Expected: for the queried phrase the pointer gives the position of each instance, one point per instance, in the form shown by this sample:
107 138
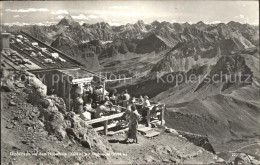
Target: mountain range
140 38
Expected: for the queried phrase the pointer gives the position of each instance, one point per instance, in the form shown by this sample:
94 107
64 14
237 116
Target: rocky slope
36 127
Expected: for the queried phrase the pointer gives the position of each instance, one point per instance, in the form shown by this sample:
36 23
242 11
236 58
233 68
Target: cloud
47 23
103 16
60 17
256 23
114 20
60 12
114 23
215 22
119 7
16 16
27 10
80 16
16 23
93 16
130 14
241 16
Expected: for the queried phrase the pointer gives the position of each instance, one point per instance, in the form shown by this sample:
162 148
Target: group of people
85 97
90 99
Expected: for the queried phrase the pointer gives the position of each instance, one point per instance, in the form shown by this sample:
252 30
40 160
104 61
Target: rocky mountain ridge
141 38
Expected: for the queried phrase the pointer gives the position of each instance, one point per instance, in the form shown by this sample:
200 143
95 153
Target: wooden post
162 114
56 86
104 85
69 95
105 127
63 84
148 117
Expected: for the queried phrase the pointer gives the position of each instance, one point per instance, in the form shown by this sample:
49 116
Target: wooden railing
160 113
105 119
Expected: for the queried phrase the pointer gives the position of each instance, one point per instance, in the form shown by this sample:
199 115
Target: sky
123 12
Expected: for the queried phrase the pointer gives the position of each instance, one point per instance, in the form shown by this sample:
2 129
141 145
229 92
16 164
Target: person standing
89 89
78 105
79 90
146 102
126 96
113 98
139 103
145 107
133 125
120 99
141 100
77 93
101 109
88 108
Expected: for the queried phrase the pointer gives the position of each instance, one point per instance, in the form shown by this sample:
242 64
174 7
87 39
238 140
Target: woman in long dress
133 125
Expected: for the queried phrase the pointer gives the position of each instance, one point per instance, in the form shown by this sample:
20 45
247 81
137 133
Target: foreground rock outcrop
35 123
